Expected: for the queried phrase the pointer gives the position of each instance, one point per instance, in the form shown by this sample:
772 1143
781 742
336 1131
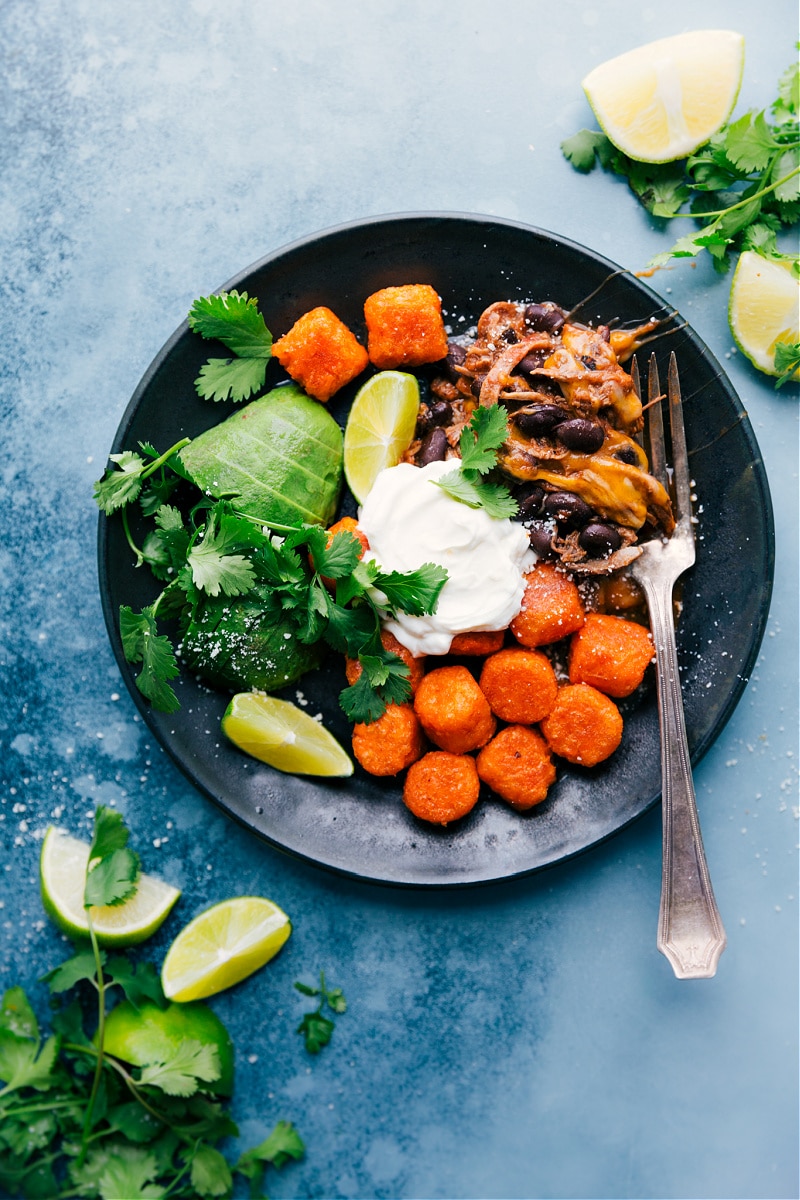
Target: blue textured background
524 1040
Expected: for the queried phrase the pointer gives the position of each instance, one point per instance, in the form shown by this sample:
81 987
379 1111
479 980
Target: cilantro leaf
749 142
283 1144
118 488
361 702
479 493
414 592
581 149
112 880
233 319
110 832
142 643
234 379
191 1064
23 1064
16 1014
81 966
482 438
140 982
317 1031
787 361
210 1173
116 1169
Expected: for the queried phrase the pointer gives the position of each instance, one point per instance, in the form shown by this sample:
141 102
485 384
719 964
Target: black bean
628 455
546 317
532 361
581 435
599 539
540 535
567 508
540 421
456 356
440 413
530 498
477 384
433 448
509 336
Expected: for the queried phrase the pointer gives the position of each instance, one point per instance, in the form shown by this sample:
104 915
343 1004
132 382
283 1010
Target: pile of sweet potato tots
494 711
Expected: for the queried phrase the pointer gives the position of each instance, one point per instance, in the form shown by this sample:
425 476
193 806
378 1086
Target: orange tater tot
442 787
551 607
520 685
349 525
320 353
416 666
477 644
611 654
584 726
453 710
517 766
405 326
390 744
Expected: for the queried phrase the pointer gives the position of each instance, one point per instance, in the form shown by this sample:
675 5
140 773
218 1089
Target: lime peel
222 946
280 734
380 428
661 101
62 872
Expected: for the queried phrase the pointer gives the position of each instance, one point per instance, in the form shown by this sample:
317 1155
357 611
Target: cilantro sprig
742 187
233 319
316 1028
479 442
315 586
76 1121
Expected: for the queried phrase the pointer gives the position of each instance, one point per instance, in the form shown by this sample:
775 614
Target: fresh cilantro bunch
233 319
77 1122
316 589
479 442
316 1028
742 186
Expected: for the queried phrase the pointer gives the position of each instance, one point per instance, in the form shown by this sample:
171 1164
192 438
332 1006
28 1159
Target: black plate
360 826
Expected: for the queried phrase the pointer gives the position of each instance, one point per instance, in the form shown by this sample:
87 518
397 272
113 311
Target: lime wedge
281 734
663 100
62 872
149 1034
224 944
764 309
379 429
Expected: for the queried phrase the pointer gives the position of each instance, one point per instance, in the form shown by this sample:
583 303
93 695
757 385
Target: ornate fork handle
690 931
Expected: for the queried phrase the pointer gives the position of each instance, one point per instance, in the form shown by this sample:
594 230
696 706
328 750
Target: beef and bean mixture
579 473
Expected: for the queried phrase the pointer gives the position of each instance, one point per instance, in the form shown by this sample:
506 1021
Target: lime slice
62 873
150 1035
279 733
764 309
663 100
379 429
224 944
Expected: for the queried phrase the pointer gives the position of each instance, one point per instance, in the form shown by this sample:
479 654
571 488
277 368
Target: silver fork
690 932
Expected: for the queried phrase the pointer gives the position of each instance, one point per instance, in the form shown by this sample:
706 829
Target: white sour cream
409 521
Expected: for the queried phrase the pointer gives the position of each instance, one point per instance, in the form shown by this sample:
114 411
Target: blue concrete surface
524 1040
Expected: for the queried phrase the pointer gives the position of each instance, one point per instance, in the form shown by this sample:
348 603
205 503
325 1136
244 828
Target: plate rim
475 219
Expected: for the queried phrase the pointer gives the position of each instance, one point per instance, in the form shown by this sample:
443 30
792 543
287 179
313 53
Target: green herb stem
101 1029
159 462
722 212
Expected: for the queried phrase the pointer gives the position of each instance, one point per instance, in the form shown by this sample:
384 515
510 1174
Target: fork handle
690 931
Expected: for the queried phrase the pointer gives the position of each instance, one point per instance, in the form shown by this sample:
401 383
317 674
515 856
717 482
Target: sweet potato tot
320 353
551 607
416 666
390 744
517 766
405 326
611 654
477 645
453 710
520 685
584 725
442 787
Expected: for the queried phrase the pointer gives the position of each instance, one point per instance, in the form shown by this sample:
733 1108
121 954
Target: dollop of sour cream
409 521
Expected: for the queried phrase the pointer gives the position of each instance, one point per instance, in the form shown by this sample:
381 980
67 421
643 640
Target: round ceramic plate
360 826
